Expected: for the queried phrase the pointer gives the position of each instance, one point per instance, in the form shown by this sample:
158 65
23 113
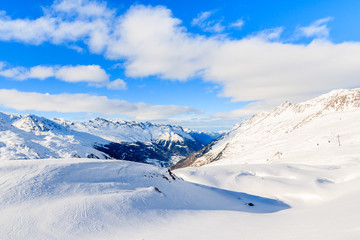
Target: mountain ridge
34 137
319 124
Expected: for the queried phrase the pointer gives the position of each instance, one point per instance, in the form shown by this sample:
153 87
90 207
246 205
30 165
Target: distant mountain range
327 128
34 137
323 130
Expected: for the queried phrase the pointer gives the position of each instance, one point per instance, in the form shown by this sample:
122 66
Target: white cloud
202 21
150 41
245 112
317 29
254 68
238 24
276 72
65 21
63 102
153 43
85 103
79 73
76 48
201 18
270 34
83 8
24 30
117 84
94 75
39 72
154 112
220 120
12 73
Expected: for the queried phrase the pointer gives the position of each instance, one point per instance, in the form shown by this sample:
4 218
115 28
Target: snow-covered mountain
34 137
299 164
323 130
166 138
307 155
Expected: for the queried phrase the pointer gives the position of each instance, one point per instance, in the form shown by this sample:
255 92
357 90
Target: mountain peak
33 123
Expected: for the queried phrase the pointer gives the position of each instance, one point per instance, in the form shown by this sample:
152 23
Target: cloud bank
254 68
85 103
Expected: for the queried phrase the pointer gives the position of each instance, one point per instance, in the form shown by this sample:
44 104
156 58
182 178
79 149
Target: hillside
94 199
323 130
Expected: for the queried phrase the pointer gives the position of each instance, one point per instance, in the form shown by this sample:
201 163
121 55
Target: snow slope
306 155
324 130
324 201
96 199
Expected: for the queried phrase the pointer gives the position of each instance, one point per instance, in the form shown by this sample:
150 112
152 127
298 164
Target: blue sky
202 64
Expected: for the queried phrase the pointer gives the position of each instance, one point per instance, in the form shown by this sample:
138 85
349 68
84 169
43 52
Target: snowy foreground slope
324 200
106 199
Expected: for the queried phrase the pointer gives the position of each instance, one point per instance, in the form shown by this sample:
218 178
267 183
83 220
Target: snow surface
324 130
306 155
324 200
287 163
105 199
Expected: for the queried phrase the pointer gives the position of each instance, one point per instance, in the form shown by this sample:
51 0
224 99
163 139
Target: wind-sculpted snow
82 198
